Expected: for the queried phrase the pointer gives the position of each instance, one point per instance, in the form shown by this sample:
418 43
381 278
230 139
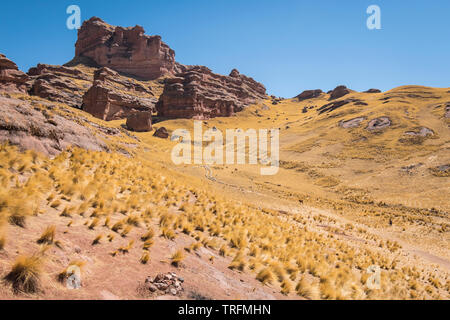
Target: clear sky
288 45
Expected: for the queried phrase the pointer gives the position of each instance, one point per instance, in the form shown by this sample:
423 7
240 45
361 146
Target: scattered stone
162 284
379 123
161 133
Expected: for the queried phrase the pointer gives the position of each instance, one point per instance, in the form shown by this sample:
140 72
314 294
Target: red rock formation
127 50
140 121
114 97
60 84
201 94
11 78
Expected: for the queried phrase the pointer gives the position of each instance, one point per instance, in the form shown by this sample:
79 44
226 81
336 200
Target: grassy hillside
345 199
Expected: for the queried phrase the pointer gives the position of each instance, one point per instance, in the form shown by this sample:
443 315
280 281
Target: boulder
161 133
140 122
309 94
114 97
11 78
201 94
127 50
339 92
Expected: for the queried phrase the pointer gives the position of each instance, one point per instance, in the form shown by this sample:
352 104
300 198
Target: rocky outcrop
379 124
33 128
127 50
60 84
339 92
201 94
11 78
352 123
114 97
140 122
309 94
373 91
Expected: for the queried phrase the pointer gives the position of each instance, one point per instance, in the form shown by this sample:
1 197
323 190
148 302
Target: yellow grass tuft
48 236
25 274
177 258
145 258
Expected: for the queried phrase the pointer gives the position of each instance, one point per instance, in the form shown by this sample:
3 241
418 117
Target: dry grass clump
265 276
26 273
279 248
48 236
97 239
145 258
177 258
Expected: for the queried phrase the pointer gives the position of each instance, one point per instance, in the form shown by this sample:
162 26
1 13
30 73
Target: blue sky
288 45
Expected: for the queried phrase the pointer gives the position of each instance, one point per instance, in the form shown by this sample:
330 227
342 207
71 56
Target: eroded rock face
201 94
309 94
127 50
114 97
140 122
11 78
60 84
32 128
339 92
